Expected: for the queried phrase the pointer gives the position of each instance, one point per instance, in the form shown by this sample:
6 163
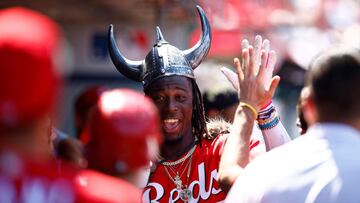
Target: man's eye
158 98
181 98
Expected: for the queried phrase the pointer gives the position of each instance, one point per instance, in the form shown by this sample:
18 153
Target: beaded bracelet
267 117
267 109
270 124
264 122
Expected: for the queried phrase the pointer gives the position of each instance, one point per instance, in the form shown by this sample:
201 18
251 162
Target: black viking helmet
163 59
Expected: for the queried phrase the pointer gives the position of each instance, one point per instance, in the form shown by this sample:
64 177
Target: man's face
173 97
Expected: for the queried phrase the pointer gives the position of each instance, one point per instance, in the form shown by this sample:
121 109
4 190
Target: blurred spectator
124 132
300 121
292 80
219 97
29 86
351 34
341 14
220 104
300 35
85 101
322 165
68 149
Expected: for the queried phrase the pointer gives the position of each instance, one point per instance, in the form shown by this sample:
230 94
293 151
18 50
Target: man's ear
309 109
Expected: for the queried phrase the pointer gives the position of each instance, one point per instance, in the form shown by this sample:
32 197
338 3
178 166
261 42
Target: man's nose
172 105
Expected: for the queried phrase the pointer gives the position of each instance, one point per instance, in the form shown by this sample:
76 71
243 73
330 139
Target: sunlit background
298 30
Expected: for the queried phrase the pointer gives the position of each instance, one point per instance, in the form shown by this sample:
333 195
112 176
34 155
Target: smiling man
174 97
187 165
187 168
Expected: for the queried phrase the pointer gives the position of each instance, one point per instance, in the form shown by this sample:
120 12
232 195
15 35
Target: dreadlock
198 120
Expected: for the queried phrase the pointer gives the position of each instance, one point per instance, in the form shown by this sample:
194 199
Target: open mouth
171 125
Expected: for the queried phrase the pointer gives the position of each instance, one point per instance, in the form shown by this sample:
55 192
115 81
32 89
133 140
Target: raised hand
254 80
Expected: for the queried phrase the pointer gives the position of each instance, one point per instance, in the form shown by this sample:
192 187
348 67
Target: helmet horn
129 68
160 37
199 51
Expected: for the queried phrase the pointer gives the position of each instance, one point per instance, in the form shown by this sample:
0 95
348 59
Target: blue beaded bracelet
270 124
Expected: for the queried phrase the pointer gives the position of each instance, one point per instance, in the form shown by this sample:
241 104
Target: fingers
251 69
266 48
244 44
257 48
258 57
256 69
266 68
262 64
231 76
269 70
245 60
238 67
266 45
271 61
248 67
274 83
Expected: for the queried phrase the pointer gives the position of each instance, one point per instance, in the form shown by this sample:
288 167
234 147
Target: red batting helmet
124 132
28 82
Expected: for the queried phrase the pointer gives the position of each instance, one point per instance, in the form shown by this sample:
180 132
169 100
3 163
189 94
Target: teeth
171 120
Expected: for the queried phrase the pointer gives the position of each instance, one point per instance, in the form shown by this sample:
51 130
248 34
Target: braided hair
198 120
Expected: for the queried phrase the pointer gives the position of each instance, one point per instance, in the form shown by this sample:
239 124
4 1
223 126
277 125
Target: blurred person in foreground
321 166
124 136
301 123
84 103
29 84
187 167
67 149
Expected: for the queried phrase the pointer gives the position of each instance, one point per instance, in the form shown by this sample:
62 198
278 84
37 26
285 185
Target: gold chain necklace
177 176
168 163
185 193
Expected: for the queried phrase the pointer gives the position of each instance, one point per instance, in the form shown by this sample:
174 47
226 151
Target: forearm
236 150
240 137
271 127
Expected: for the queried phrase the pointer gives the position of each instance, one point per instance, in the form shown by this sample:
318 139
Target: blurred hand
254 81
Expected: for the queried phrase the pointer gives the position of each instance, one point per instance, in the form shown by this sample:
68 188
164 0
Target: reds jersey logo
202 188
